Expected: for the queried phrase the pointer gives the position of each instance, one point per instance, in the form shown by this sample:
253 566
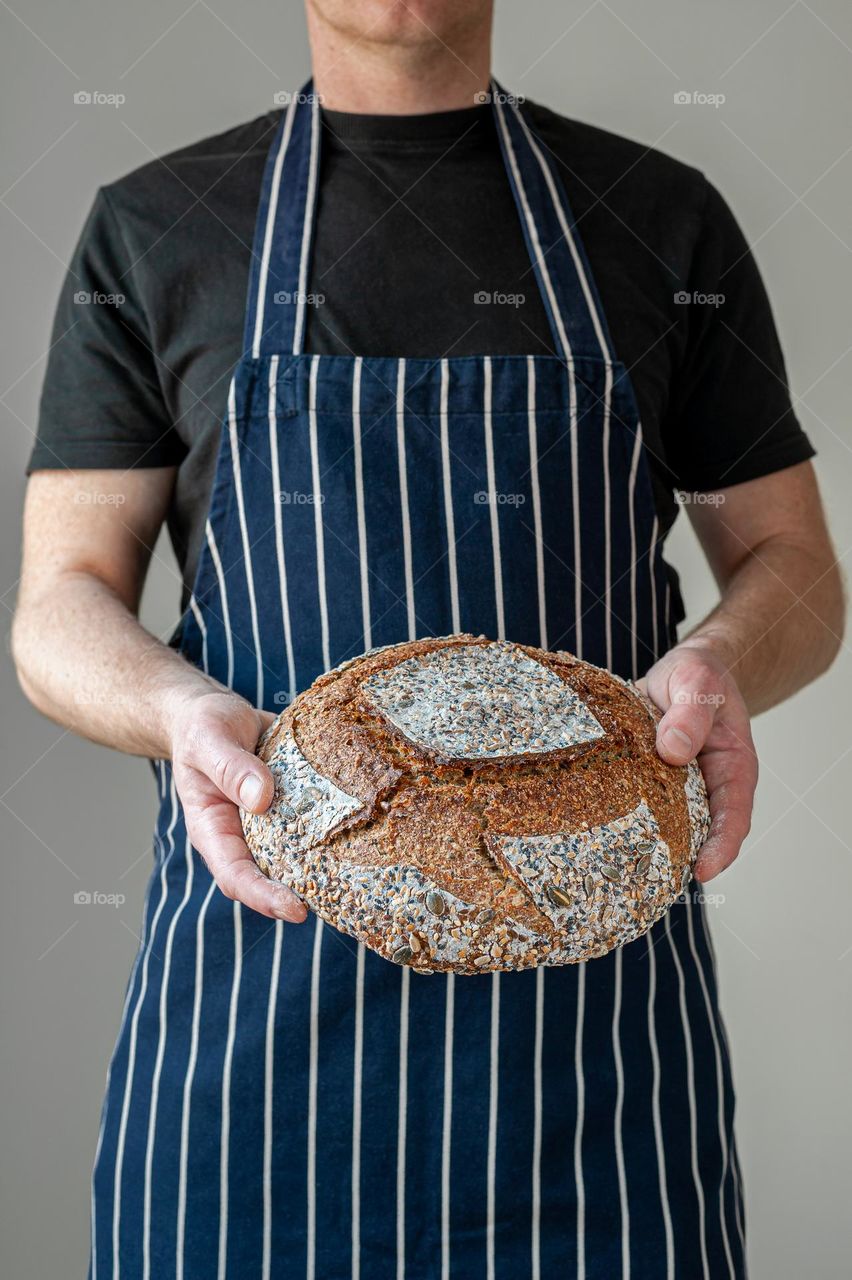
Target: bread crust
473 863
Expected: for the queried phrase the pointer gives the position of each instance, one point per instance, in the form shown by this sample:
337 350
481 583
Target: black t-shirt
415 221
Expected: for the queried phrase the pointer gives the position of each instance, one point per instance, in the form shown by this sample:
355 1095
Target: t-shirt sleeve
730 417
102 403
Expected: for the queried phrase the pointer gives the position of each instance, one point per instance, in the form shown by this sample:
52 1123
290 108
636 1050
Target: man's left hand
705 716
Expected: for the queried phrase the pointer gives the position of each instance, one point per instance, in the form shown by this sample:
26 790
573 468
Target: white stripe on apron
279 533
134 1026
225 1140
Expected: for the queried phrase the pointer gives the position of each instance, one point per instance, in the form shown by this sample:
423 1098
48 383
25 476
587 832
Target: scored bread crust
456 864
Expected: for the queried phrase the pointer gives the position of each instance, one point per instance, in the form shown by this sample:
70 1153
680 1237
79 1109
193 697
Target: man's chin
411 23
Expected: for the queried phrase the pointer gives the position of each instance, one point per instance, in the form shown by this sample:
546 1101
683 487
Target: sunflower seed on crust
558 896
436 903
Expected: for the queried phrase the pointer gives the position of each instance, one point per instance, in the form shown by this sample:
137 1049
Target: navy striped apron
281 1102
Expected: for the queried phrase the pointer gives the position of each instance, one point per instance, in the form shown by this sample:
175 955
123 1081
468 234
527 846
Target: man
459 309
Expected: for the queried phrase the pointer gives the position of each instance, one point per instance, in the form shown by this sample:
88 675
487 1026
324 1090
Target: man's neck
381 78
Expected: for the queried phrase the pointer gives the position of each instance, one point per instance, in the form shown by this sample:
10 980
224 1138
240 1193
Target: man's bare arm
84 660
778 625
780 622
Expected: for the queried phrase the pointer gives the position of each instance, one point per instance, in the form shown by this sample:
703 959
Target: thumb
692 705
216 749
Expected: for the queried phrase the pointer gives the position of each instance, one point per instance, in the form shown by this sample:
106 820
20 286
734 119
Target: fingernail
286 906
678 741
250 791
295 913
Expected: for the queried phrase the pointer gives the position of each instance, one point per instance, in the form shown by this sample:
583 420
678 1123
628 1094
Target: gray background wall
74 817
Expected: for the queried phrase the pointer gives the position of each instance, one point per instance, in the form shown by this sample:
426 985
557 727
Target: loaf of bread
461 804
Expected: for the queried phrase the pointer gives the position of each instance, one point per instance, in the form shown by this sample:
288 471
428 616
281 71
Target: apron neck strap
564 277
278 280
280 265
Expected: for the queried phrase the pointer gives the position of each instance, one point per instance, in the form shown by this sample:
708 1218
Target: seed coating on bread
476 701
468 805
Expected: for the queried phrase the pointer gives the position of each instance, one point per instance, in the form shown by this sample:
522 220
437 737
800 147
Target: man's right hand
215 771
84 660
